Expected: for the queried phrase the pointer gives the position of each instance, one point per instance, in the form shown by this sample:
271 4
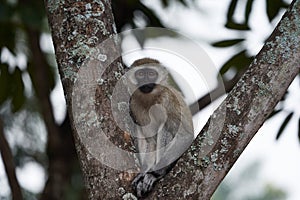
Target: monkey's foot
143 184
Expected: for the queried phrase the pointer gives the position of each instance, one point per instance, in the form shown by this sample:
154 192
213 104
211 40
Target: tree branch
234 123
78 27
9 165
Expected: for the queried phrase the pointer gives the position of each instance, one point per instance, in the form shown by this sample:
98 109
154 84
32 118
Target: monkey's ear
144 61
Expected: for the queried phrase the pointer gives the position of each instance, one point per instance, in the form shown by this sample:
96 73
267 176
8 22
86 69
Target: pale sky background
280 160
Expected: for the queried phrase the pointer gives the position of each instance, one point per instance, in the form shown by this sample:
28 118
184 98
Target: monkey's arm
176 136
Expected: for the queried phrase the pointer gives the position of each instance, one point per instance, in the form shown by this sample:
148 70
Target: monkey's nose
147 88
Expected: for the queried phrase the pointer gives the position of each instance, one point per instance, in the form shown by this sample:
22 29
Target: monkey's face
146 78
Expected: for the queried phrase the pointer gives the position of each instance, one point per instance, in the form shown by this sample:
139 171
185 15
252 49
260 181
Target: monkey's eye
152 74
140 74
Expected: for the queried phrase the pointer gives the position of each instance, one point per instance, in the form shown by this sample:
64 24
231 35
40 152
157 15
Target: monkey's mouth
147 88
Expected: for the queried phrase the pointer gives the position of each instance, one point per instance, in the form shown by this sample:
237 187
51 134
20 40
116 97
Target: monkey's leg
144 182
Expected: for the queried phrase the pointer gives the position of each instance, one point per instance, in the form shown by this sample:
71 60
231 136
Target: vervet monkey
163 122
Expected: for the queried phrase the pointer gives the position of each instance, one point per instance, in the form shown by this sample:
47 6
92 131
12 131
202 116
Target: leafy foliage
228 43
284 124
231 23
166 3
239 61
299 129
127 11
273 7
12 87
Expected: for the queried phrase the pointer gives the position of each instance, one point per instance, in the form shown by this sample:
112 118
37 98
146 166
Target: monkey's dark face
146 78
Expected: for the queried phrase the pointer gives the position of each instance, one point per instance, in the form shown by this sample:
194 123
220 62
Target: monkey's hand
143 183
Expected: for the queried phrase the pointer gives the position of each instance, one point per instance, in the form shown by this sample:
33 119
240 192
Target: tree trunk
81 27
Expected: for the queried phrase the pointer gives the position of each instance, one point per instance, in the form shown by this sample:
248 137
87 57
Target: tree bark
78 27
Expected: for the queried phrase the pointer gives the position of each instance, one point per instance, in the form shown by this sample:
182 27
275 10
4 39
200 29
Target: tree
238 118
24 110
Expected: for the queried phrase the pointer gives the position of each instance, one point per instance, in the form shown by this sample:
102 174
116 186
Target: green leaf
238 61
248 10
274 113
231 9
227 43
33 14
231 24
284 124
153 19
6 12
4 83
235 26
284 97
299 129
9 33
165 3
273 8
18 97
183 2
142 35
